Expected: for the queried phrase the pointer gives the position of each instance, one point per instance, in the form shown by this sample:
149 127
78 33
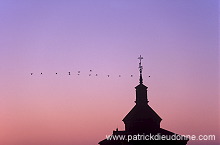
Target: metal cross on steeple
140 69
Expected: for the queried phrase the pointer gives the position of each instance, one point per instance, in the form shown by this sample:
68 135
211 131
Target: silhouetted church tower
141 123
142 117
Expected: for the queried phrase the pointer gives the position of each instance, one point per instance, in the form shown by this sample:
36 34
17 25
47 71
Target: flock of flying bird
90 74
78 73
90 71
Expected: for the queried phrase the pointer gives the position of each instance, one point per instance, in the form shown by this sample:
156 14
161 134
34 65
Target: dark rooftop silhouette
143 120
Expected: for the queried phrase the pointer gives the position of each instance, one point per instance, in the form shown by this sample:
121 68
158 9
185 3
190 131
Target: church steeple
142 117
141 89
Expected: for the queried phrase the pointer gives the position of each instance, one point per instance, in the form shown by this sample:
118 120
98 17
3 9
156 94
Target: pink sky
179 43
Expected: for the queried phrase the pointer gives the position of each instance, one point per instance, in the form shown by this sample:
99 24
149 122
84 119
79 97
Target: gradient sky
178 39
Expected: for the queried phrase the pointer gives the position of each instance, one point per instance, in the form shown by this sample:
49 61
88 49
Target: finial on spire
140 69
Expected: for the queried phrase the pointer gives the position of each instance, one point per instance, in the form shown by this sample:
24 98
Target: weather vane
140 66
140 69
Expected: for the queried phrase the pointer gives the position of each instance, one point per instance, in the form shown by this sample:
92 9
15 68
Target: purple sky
178 39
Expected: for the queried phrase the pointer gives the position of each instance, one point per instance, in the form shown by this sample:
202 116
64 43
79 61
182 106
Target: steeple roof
142 112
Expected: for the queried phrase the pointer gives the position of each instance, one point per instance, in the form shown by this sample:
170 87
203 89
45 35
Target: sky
178 39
